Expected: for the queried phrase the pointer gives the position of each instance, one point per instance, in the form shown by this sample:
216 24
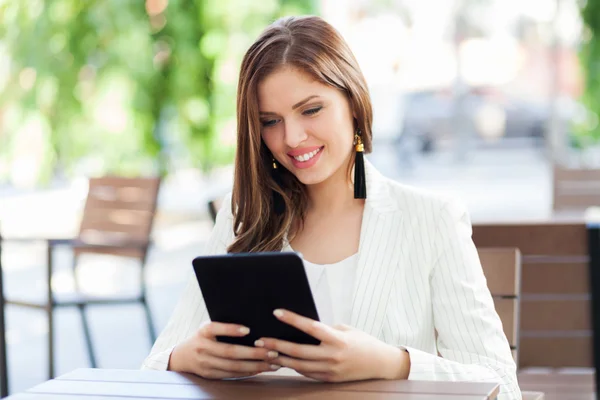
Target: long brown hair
314 47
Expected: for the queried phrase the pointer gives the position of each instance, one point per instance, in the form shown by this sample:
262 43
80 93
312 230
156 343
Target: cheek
338 134
338 128
270 139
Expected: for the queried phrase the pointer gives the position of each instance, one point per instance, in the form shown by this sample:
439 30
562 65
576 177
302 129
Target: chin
310 182
312 177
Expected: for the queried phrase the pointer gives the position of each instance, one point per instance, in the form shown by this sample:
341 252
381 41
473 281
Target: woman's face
306 125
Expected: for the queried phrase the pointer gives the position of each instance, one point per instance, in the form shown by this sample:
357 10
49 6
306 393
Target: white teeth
307 156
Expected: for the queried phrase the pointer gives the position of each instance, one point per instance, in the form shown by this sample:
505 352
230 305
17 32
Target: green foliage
127 86
589 56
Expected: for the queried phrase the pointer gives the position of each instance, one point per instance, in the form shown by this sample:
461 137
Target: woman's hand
202 355
345 354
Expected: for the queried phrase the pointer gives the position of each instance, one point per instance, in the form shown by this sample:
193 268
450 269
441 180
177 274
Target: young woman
394 271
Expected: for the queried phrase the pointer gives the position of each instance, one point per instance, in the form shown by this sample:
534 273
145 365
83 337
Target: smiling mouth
307 156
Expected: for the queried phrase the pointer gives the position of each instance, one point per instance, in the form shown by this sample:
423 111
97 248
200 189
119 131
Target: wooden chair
117 220
502 269
214 206
555 300
575 189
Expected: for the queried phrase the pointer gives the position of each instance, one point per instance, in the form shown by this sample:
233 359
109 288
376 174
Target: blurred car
430 116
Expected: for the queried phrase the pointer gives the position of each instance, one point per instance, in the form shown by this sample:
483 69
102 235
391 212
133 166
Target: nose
294 134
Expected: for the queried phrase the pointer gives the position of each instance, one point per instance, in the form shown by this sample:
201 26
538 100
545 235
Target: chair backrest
502 269
119 209
575 189
555 302
214 206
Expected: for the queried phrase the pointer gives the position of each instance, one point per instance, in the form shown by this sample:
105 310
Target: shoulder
222 206
416 201
223 225
421 210
222 232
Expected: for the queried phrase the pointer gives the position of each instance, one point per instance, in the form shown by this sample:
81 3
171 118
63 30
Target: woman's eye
312 111
269 122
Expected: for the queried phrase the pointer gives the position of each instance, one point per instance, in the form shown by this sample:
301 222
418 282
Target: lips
305 157
303 150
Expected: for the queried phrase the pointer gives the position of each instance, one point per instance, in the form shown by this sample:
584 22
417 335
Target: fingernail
273 354
278 313
244 330
275 367
259 343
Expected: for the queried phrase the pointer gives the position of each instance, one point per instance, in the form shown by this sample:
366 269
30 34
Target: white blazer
418 273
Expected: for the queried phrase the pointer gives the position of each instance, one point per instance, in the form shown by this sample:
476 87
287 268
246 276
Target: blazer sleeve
471 341
190 311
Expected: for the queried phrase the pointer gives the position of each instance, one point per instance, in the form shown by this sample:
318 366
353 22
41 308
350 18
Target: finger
314 328
237 352
343 327
221 329
303 366
303 351
239 366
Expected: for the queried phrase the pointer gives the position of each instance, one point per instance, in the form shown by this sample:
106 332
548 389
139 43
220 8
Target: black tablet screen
246 288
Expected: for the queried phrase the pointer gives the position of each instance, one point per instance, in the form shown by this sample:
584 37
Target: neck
336 194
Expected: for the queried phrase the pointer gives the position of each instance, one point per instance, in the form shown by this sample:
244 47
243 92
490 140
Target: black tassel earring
360 186
278 203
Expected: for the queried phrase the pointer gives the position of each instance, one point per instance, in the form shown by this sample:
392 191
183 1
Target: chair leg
151 330
49 314
50 310
88 336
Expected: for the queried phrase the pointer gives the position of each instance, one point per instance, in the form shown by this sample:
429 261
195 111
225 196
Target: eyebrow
298 104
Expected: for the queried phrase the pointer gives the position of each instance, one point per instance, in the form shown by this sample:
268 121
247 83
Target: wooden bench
575 189
555 326
558 386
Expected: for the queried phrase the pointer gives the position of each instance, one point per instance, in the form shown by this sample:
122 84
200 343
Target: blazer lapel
378 250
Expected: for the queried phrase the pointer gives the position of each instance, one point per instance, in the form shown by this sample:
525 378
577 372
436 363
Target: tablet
245 289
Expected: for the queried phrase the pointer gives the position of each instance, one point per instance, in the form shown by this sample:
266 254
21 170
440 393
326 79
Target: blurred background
482 99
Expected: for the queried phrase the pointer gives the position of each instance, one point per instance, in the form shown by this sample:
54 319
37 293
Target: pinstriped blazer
419 286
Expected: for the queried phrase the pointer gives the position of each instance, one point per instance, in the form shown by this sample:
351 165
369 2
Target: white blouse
331 286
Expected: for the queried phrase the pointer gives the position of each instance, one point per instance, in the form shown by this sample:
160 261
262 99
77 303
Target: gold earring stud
358 143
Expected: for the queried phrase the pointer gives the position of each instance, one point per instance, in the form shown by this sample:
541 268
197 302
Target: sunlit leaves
126 86
589 55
